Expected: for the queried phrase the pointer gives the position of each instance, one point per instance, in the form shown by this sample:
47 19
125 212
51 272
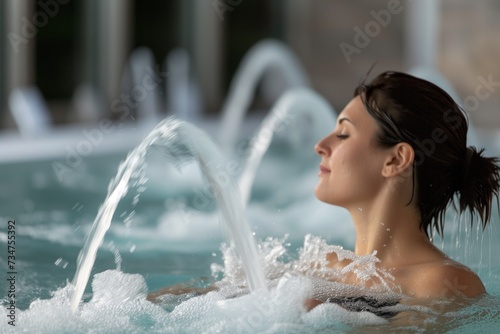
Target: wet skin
374 184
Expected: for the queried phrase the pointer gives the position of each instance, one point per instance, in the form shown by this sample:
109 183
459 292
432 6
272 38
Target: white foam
119 306
118 303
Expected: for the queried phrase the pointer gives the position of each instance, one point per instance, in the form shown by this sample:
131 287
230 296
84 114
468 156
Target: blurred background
83 81
76 51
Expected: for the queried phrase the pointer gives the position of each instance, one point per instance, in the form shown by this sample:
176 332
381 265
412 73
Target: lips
323 170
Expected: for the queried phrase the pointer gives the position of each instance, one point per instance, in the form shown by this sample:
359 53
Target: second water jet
180 142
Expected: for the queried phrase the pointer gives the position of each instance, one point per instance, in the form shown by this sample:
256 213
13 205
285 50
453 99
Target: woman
395 161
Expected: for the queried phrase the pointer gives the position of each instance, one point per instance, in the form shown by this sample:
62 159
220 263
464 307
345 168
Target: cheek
355 166
343 166
347 160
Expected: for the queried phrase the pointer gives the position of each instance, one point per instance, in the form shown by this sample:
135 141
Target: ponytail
480 182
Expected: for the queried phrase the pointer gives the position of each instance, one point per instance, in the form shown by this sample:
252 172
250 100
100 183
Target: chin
317 192
322 196
328 198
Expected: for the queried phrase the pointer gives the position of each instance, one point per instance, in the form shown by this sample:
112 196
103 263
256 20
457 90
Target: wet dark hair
415 111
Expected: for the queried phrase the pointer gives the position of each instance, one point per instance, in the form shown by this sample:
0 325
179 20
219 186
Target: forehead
354 110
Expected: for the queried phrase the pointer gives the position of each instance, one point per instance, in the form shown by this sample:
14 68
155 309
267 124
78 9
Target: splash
180 142
312 262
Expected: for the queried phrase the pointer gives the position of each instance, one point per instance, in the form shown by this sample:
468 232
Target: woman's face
351 160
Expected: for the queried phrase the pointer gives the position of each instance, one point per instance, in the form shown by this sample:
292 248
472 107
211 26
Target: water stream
180 142
263 56
291 105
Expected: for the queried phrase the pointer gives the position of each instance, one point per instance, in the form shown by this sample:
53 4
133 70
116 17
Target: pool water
164 239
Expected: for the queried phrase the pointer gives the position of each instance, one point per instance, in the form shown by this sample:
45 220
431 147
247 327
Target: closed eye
342 137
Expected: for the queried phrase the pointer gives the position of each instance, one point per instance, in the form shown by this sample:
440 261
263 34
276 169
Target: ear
399 160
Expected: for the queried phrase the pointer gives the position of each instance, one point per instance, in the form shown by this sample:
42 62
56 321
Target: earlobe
399 161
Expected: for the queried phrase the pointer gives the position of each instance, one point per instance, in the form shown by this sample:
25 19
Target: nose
322 148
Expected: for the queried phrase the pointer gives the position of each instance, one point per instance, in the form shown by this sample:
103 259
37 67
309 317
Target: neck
389 227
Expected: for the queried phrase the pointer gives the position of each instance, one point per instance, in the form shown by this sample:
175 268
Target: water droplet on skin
382 224
360 209
388 229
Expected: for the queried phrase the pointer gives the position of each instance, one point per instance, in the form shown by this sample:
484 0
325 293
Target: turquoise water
167 240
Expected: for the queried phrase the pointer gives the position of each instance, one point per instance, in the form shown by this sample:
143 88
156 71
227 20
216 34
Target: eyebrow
345 119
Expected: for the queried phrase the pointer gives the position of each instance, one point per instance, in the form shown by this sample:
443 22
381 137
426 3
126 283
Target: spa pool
161 238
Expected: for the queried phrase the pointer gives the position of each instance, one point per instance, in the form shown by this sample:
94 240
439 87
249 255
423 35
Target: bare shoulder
445 279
